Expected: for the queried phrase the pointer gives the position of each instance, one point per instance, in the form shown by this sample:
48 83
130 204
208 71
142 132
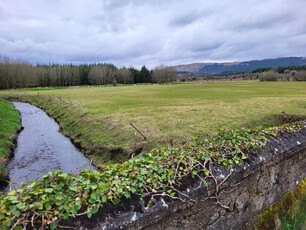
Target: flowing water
42 149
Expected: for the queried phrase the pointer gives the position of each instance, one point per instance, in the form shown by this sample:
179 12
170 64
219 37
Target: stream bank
9 128
42 149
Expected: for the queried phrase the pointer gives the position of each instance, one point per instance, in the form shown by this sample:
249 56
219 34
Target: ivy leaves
63 195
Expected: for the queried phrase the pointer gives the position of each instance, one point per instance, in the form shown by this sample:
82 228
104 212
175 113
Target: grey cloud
136 32
185 19
206 47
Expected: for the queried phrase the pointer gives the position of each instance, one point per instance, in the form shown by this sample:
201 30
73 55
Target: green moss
9 125
290 211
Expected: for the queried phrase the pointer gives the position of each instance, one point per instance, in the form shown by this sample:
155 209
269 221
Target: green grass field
98 119
101 116
9 124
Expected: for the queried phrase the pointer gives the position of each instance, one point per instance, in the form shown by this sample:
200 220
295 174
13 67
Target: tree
124 76
163 74
84 72
135 74
300 76
102 74
145 75
268 76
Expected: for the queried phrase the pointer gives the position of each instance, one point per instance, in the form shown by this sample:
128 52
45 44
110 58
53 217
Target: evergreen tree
145 75
135 75
84 71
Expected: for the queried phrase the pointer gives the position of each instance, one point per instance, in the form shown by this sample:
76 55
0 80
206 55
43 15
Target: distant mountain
227 67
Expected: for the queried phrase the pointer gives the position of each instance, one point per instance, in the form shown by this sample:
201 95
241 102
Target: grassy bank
9 125
98 118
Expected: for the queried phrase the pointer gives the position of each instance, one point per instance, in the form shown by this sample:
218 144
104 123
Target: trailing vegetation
289 213
9 125
160 172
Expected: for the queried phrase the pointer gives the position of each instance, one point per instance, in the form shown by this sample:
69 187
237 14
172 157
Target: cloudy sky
151 32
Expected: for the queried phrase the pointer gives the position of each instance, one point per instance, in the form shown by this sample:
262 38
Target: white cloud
135 32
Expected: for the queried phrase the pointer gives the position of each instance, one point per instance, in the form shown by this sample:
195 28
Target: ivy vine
59 196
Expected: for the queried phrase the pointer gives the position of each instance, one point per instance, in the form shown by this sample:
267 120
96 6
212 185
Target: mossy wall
264 179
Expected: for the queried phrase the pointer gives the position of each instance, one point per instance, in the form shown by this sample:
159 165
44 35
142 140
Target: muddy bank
42 149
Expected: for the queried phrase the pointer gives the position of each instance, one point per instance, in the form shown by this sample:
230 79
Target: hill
226 67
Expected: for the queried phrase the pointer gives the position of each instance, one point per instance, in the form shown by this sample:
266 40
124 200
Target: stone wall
266 176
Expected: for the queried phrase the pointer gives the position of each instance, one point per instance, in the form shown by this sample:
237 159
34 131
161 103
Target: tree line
25 75
280 69
287 75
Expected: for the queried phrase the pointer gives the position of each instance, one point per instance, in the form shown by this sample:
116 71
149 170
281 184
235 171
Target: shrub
268 76
300 76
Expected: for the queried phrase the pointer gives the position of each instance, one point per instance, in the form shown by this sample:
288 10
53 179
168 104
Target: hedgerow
59 196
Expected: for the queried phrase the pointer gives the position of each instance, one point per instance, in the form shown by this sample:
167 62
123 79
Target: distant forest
24 75
281 69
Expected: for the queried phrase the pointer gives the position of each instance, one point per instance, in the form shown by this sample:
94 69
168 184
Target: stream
42 149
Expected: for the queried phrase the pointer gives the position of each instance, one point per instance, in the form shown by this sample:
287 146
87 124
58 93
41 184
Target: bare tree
163 74
124 76
17 75
102 74
300 76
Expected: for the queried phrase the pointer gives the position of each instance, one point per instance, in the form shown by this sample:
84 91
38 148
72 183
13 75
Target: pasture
99 119
101 116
